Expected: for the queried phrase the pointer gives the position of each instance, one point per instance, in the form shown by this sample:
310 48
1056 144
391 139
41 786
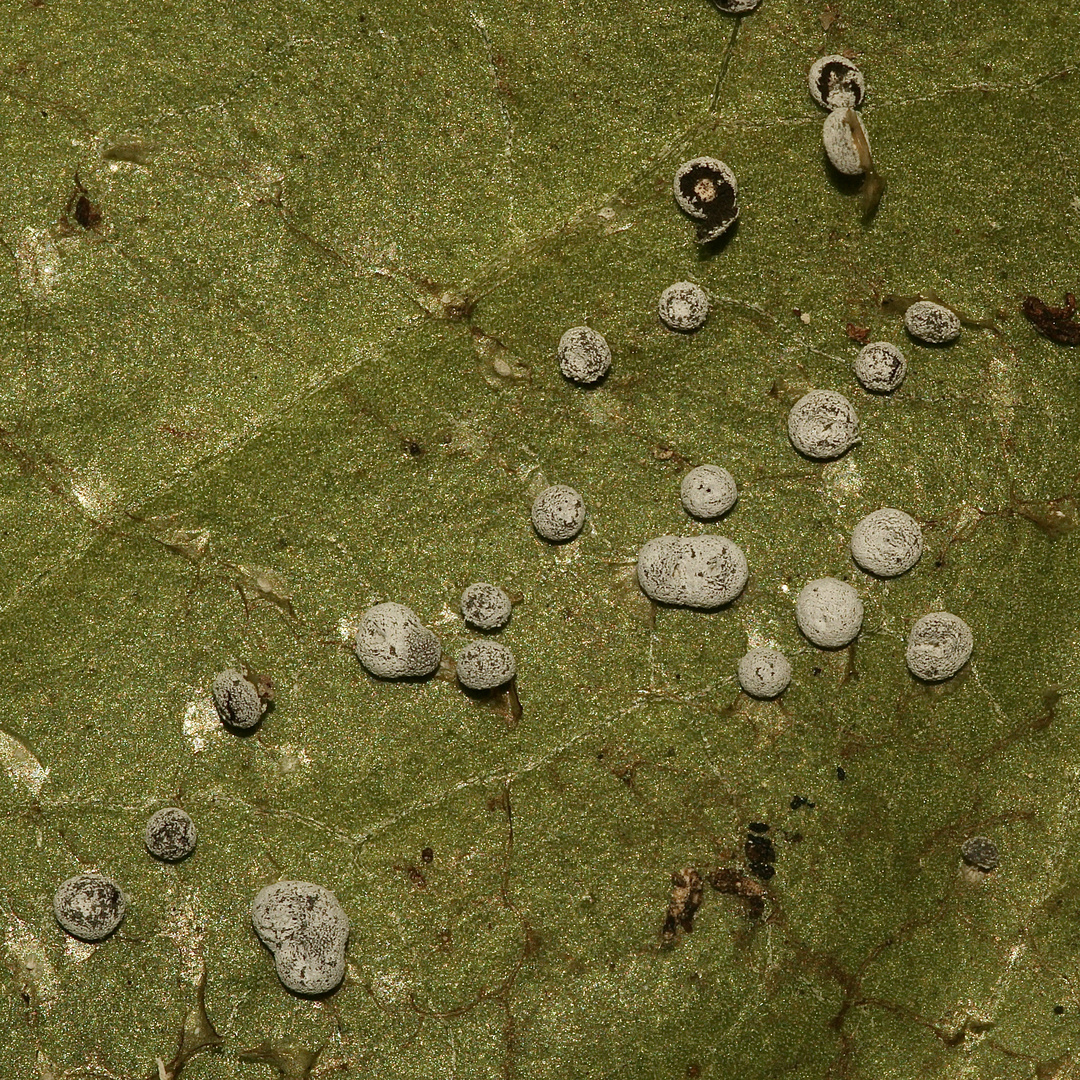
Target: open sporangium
705 190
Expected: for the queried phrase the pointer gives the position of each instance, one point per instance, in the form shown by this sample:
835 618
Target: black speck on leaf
87 214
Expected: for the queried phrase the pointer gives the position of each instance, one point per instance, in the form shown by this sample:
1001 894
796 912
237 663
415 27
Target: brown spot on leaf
1058 324
686 893
735 883
86 213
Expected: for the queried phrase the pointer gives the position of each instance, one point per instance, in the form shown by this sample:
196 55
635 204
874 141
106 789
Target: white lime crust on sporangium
938 646
170 834
692 571
931 323
880 367
764 672
846 142
307 930
705 190
836 83
483 665
887 542
89 906
829 612
485 606
584 355
558 513
823 425
683 306
708 492
237 699
392 643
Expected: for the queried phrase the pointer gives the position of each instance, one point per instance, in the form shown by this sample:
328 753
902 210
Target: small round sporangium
764 673
938 646
237 699
708 492
483 665
485 606
931 323
823 425
170 834
584 355
89 906
684 306
880 367
829 612
558 513
887 542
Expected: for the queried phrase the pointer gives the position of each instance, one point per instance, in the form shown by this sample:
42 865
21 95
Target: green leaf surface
277 332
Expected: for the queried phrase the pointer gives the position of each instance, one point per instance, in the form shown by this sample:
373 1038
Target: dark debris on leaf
735 883
686 893
1057 324
760 855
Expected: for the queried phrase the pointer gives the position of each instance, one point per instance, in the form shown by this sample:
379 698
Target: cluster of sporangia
709 571
302 924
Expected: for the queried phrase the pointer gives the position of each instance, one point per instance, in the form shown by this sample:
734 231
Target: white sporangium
484 665
829 613
485 606
880 367
887 542
392 643
683 306
170 834
708 492
764 672
241 697
692 571
584 355
305 928
938 646
932 324
823 425
89 906
558 513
